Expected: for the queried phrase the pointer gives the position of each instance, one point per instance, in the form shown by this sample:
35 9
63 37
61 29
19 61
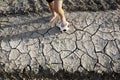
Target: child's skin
56 8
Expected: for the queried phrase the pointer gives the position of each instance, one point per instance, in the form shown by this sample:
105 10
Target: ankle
64 20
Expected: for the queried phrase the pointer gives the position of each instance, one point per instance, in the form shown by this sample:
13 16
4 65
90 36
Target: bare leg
59 10
54 14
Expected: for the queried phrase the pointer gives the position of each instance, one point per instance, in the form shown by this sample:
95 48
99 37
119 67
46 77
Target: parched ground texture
91 44
31 45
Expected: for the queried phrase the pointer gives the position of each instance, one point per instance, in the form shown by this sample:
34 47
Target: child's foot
52 18
64 27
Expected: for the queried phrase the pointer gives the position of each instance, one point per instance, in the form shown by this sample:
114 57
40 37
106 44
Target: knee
57 9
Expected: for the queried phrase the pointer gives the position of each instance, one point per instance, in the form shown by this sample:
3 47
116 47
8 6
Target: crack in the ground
83 32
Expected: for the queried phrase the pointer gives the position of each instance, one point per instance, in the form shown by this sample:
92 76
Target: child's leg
54 14
59 10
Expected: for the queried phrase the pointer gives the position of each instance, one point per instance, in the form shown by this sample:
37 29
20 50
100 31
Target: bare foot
52 18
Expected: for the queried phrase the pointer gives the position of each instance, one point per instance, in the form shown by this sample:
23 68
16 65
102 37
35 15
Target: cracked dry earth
91 44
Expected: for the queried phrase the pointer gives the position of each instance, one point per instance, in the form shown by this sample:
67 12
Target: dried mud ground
49 74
